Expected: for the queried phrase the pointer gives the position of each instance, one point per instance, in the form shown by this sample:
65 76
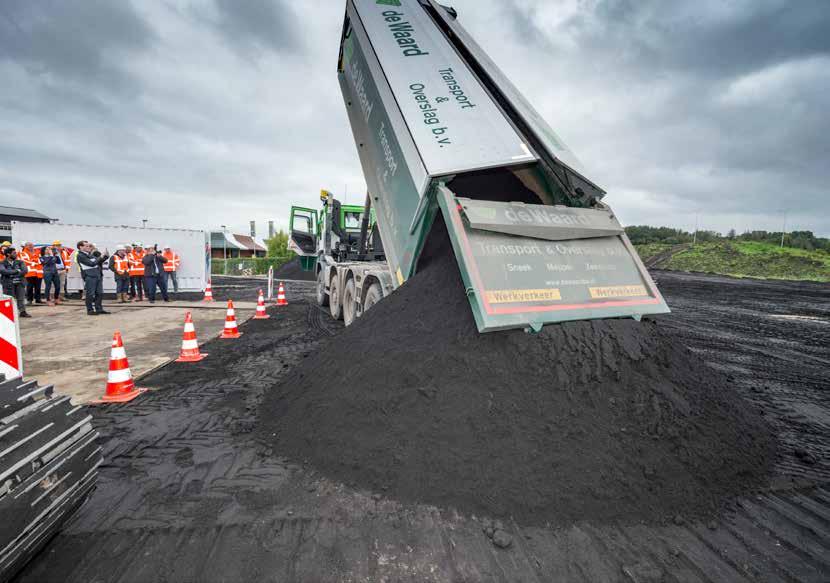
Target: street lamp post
224 251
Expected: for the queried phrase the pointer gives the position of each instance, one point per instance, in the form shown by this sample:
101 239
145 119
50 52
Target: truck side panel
456 125
394 173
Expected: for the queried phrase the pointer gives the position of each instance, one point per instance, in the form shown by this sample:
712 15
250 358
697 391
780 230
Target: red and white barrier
11 351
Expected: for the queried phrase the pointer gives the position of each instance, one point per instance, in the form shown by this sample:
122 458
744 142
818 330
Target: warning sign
511 296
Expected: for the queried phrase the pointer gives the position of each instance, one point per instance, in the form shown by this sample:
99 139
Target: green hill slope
744 259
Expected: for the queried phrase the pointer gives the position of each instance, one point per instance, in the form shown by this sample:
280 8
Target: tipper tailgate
529 265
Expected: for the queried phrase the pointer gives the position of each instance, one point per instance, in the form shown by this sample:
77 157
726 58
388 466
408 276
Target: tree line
643 234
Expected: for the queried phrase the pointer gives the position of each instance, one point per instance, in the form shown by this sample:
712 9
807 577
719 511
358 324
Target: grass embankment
746 259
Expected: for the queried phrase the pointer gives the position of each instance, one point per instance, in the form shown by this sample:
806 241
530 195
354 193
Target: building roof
249 243
234 241
22 213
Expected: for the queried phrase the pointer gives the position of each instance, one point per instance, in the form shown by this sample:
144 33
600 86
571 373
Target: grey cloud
709 38
198 113
706 105
80 41
253 26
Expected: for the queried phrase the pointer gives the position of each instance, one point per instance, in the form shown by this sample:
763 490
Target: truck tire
322 296
48 467
349 302
373 295
335 305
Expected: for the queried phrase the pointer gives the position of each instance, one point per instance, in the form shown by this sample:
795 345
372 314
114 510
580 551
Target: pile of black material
293 270
48 467
604 419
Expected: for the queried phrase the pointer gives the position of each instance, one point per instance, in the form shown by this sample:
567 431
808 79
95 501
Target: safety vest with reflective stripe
32 261
122 264
173 261
66 255
136 266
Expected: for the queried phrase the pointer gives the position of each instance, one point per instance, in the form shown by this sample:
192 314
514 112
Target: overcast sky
206 112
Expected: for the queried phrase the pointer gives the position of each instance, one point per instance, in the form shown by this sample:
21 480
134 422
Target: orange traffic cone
260 308
231 330
120 385
208 293
281 301
190 346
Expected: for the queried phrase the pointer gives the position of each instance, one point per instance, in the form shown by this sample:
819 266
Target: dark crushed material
611 419
293 270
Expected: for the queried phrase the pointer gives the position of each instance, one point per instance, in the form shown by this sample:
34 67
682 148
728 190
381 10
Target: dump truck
343 245
441 132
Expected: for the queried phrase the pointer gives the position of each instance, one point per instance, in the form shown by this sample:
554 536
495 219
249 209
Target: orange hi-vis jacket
32 261
173 261
66 255
122 264
136 266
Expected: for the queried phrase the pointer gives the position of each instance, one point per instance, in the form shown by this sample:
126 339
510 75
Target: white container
191 245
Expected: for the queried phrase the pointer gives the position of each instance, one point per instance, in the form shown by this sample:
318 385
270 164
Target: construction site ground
186 493
64 346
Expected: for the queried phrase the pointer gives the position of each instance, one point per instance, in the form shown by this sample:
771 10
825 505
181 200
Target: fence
247 266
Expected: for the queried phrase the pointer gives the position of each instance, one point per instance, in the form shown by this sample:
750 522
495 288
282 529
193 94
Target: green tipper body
428 110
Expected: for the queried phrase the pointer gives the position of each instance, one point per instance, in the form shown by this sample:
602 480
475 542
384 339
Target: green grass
648 250
753 259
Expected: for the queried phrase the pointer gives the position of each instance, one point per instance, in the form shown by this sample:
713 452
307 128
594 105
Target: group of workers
138 270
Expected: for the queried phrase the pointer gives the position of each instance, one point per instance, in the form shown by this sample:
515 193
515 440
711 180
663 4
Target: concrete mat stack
49 462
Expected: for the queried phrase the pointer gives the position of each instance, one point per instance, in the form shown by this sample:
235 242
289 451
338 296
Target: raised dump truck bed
439 129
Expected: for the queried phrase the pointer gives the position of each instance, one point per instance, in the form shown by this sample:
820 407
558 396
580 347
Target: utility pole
694 237
224 251
783 229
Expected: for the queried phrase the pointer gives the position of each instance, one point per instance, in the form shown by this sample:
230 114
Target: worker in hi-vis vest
171 268
34 276
120 267
136 273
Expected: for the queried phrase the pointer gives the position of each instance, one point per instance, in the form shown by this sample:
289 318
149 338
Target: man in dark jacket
12 273
154 273
91 262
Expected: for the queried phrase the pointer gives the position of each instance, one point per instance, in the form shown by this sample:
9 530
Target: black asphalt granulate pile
595 420
293 270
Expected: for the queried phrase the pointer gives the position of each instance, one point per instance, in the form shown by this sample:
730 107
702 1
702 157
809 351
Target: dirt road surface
65 347
187 494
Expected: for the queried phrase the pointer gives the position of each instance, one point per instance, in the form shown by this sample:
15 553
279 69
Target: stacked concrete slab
48 466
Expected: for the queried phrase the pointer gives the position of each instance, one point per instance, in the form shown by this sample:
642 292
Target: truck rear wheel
373 296
349 304
335 306
322 296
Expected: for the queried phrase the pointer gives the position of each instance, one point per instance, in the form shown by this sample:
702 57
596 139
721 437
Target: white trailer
191 245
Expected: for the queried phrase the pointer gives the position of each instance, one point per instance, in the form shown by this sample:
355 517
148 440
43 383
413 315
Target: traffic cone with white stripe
120 385
231 329
208 293
281 301
190 346
260 308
